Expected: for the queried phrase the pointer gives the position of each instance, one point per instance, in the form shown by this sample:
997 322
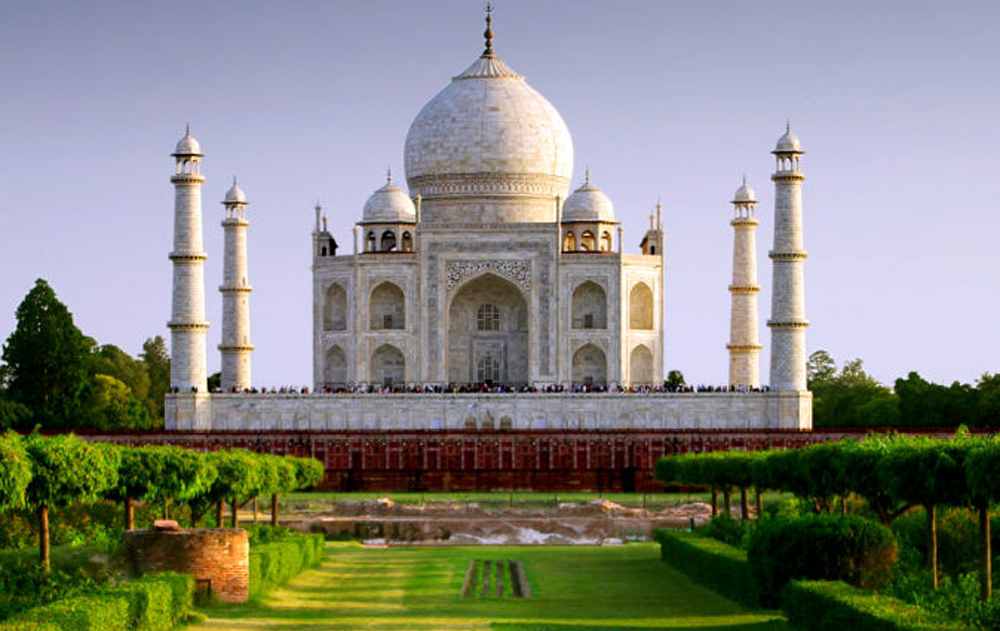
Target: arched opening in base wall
590 366
335 367
488 333
641 366
388 366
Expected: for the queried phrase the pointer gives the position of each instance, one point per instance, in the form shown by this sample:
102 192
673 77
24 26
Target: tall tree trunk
218 515
274 509
234 508
985 560
715 501
744 504
932 552
129 513
727 501
759 503
43 537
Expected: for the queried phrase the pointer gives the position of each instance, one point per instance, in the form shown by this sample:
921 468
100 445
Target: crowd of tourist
488 388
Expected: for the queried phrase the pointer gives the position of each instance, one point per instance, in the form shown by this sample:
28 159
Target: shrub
272 564
98 612
158 602
715 565
834 606
853 549
958 538
727 530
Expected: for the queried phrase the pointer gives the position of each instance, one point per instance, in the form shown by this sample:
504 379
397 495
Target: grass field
595 588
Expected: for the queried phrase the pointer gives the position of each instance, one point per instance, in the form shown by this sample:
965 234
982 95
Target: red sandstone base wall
220 557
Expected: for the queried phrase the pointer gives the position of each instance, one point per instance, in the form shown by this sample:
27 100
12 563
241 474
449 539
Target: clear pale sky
897 105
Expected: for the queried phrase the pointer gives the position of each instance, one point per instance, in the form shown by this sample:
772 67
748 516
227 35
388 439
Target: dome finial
586 177
187 129
488 33
388 175
788 126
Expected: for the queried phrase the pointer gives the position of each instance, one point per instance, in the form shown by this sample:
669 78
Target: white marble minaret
744 343
788 297
235 346
188 326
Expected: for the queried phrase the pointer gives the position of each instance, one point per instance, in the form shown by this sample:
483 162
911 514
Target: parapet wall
220 557
515 411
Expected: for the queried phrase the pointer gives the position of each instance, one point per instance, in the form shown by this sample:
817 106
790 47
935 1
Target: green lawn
604 588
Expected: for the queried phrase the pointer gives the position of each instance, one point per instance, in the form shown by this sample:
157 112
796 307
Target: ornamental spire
488 33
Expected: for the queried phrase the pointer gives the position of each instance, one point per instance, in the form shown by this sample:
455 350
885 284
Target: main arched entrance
488 333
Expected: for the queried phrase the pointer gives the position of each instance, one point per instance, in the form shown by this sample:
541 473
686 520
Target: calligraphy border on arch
518 272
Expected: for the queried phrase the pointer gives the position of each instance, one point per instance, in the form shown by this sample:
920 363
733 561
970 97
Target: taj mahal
484 290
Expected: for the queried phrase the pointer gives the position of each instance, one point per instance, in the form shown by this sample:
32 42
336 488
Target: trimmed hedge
825 547
274 563
158 602
715 565
835 606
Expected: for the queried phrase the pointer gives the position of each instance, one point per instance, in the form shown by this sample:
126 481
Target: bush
97 612
958 539
272 564
853 549
727 530
834 606
715 565
158 602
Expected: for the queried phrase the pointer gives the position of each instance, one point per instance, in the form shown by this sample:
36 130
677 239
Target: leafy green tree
114 362
109 404
820 367
926 404
989 399
45 357
67 470
930 473
15 471
850 398
13 415
238 478
858 463
982 471
156 361
675 379
214 382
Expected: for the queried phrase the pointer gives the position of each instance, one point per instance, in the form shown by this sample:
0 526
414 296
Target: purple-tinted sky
896 103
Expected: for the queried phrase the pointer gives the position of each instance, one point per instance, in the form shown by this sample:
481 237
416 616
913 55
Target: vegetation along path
597 588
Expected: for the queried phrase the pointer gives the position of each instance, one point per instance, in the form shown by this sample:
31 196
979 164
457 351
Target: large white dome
489 135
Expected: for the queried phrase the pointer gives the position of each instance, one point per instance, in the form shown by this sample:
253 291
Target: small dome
235 194
788 143
187 146
588 203
744 194
389 204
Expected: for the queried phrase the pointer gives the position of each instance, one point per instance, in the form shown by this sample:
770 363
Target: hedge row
835 606
274 563
720 567
158 602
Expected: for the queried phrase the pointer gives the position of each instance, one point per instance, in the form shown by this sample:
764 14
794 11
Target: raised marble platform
528 411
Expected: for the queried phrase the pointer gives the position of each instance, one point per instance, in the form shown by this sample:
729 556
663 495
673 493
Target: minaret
744 344
235 346
788 300
187 324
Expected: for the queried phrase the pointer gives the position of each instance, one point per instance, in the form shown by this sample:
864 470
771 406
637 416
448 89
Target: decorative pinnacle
788 126
388 175
488 33
586 177
187 129
744 179
234 180
318 207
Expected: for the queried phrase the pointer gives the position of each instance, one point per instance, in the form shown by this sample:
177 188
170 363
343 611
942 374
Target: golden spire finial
488 33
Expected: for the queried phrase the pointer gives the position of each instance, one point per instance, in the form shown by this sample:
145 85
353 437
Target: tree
850 398
67 470
982 471
237 478
13 415
930 473
820 367
15 471
989 399
675 379
926 404
109 404
45 357
156 361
